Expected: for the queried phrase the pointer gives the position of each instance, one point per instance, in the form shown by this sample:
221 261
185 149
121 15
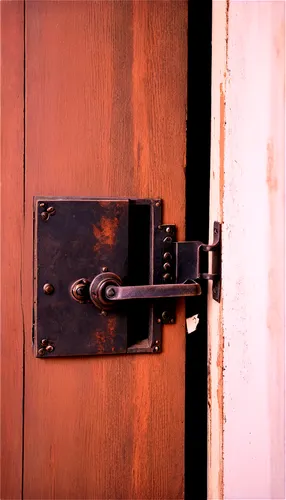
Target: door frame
246 421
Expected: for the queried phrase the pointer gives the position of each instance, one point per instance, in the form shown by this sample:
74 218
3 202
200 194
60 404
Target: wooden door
103 87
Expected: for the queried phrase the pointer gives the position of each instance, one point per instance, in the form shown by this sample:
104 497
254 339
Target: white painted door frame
247 330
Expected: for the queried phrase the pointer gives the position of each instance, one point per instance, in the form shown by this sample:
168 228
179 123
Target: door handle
106 291
118 293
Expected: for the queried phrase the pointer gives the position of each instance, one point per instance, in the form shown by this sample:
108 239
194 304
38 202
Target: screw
165 316
172 320
166 277
41 351
44 342
168 229
41 204
80 290
158 203
104 269
44 215
159 320
167 266
110 292
168 239
157 342
49 348
103 313
159 227
167 256
51 210
156 349
48 289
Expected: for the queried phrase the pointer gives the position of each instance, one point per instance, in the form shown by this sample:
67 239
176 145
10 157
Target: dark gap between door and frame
197 228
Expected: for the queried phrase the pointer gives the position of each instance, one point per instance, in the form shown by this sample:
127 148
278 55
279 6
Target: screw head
156 348
44 215
168 239
167 256
172 320
159 320
51 210
166 277
167 266
41 351
44 342
103 313
41 204
110 292
159 227
168 229
49 348
158 203
104 269
80 290
48 289
165 316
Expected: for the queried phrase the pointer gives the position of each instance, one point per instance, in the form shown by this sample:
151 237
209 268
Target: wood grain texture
106 103
12 148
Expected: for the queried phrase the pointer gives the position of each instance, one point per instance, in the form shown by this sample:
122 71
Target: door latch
107 273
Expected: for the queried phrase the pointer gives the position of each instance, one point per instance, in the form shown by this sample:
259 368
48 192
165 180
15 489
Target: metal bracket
189 257
107 273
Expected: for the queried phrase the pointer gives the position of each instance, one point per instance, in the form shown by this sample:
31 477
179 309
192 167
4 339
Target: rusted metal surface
82 237
86 238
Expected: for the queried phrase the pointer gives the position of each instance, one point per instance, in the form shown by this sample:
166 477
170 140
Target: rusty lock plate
75 240
106 274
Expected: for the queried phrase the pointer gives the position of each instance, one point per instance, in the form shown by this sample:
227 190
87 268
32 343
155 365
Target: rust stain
98 341
106 232
271 178
210 400
104 341
221 339
220 400
111 326
219 403
279 40
221 149
104 203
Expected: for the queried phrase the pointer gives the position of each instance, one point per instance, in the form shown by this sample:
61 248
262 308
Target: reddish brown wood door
93 105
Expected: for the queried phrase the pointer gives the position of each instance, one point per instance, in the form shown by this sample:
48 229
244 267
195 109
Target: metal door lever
117 293
106 290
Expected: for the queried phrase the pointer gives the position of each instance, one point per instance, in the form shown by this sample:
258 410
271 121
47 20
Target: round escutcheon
80 290
97 289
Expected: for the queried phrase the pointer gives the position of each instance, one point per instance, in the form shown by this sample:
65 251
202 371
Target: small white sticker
192 323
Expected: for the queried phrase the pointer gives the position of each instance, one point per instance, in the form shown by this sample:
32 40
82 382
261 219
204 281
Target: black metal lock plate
106 273
80 238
